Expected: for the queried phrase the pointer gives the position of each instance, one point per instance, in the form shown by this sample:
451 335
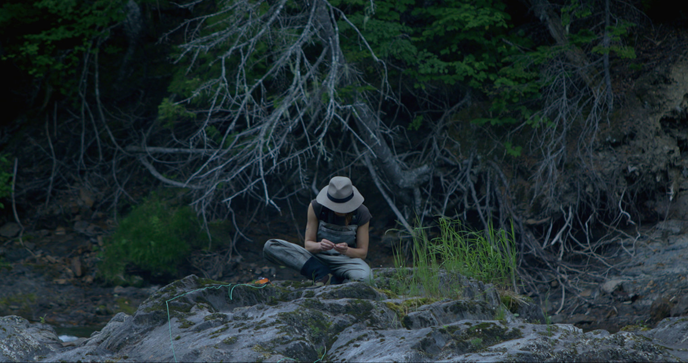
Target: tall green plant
422 279
488 256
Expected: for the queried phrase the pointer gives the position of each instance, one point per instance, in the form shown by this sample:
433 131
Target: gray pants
282 252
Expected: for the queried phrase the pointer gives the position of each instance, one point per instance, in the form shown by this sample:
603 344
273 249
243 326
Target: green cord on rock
229 293
322 357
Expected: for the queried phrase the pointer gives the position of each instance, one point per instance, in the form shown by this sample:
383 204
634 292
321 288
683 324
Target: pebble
612 285
10 230
81 226
67 338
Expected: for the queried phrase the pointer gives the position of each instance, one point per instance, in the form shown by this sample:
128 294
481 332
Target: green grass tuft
488 256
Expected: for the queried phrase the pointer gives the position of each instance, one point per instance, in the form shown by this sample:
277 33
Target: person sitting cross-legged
336 240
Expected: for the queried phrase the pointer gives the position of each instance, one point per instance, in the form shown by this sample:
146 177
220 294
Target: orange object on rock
262 280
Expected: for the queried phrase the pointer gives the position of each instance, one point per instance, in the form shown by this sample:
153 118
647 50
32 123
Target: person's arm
311 244
361 249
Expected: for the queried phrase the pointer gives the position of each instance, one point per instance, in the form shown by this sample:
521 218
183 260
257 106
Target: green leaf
170 112
416 123
511 150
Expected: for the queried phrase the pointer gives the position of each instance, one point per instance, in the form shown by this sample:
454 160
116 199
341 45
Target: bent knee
361 275
271 244
272 251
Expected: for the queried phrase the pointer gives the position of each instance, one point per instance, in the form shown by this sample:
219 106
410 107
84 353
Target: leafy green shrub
488 256
155 237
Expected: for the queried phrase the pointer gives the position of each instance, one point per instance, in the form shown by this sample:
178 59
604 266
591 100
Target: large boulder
198 320
21 341
670 332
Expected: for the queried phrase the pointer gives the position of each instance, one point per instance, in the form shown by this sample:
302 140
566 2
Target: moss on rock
312 324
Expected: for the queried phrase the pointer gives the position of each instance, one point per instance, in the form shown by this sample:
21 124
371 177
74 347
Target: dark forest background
231 113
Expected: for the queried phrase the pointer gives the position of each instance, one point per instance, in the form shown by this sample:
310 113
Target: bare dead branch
159 176
386 197
52 152
148 150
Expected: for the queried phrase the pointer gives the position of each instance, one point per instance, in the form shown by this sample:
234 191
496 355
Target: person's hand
326 245
341 248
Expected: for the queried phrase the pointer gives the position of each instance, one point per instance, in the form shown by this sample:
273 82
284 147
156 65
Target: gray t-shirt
361 215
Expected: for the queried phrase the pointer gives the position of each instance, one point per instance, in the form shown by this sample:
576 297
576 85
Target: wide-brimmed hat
340 196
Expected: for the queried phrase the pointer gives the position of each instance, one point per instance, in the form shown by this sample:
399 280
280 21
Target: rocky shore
199 320
646 282
641 306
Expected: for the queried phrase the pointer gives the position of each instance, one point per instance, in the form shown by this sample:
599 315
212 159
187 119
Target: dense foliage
49 39
450 47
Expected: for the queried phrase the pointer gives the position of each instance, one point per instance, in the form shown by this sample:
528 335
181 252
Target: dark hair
326 211
349 217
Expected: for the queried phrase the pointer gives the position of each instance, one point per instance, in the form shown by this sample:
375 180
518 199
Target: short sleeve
364 215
